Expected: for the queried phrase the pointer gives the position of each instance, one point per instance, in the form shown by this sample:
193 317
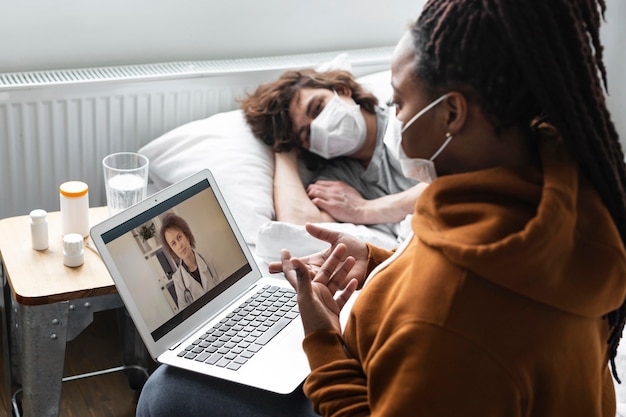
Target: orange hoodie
495 308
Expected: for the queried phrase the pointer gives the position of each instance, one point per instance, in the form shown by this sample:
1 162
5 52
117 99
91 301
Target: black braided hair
529 60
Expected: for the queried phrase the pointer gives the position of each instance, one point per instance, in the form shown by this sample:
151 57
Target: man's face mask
418 168
338 130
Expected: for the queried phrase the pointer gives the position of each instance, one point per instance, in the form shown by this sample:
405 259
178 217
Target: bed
243 167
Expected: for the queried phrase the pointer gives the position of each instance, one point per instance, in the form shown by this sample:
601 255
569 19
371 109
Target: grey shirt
382 177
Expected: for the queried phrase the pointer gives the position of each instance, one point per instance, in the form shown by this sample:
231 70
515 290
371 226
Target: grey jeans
175 392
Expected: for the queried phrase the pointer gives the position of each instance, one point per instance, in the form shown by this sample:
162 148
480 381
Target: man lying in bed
337 128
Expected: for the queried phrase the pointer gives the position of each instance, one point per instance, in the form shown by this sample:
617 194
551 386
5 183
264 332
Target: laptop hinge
176 345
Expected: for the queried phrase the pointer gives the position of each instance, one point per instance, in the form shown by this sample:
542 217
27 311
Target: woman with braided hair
508 300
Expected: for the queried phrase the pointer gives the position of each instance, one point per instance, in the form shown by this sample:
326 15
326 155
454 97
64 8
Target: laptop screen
177 256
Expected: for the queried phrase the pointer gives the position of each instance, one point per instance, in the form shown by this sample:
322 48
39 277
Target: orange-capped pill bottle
74 208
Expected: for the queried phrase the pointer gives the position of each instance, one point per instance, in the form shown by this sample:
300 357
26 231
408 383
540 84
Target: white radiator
58 125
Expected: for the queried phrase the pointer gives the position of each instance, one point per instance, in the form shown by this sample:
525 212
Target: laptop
221 319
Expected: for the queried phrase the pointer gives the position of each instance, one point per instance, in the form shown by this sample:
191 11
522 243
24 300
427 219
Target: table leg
5 308
38 338
42 333
134 352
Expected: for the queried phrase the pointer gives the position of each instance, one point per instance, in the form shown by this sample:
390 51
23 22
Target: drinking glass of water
125 179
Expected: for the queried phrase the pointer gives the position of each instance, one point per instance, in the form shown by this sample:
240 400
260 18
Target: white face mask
418 168
338 130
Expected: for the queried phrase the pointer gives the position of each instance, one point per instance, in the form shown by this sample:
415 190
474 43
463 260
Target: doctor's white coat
210 275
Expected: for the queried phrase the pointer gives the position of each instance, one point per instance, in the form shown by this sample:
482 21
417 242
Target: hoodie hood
545 234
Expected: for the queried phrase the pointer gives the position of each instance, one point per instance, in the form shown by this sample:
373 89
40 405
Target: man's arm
345 204
291 202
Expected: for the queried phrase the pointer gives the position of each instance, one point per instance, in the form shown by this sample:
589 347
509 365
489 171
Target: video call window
178 256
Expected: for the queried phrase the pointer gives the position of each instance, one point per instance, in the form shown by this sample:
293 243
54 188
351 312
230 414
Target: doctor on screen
196 274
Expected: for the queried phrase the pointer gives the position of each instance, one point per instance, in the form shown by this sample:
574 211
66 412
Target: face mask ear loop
449 138
421 112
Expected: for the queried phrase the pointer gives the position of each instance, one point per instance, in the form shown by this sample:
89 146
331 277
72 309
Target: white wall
614 38
54 34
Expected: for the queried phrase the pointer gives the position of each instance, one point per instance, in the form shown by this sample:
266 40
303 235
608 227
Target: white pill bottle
74 197
39 229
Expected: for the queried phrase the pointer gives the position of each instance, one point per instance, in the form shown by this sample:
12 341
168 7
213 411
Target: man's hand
341 201
345 204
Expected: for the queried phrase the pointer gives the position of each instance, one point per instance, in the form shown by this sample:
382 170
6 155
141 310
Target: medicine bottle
73 250
74 208
39 229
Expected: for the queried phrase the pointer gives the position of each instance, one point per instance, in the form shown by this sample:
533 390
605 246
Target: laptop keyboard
244 332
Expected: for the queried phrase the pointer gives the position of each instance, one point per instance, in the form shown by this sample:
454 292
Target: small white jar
39 229
74 197
73 250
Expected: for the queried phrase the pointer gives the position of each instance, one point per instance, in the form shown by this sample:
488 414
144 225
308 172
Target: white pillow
243 166
379 84
340 62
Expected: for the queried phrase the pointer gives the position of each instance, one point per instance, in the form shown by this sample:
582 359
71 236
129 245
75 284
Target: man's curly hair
267 109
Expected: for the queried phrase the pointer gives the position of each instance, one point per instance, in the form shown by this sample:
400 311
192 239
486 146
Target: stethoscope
187 292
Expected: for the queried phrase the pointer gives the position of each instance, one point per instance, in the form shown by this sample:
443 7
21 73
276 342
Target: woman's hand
318 301
354 248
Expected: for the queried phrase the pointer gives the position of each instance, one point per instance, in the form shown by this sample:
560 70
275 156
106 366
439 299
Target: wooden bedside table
47 304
